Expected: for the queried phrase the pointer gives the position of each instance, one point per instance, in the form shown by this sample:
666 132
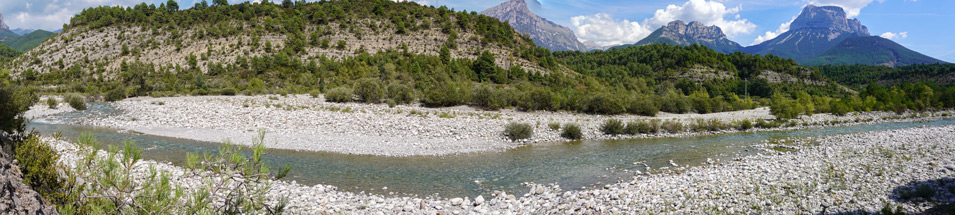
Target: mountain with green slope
685 34
813 32
29 41
872 50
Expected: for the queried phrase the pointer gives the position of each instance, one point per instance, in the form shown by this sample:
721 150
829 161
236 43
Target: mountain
212 39
816 30
545 33
685 34
871 51
29 41
3 25
591 45
22 31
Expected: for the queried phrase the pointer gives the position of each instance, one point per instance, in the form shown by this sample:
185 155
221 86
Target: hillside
7 54
545 33
28 41
858 76
103 38
685 34
871 51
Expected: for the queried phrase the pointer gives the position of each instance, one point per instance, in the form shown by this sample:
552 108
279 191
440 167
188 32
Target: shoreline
302 123
836 173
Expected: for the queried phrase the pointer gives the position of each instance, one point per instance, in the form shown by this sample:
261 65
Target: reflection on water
572 165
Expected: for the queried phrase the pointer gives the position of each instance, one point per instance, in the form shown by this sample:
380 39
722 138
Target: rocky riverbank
909 169
300 122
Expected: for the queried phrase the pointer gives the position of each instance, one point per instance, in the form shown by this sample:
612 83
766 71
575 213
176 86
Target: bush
572 132
642 106
400 93
673 126
229 91
443 95
554 126
489 98
369 90
745 125
314 93
52 103
638 127
604 104
13 103
116 94
38 161
612 127
538 99
340 95
76 101
518 131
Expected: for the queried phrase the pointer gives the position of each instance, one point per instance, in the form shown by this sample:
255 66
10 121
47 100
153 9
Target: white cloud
852 7
892 36
604 30
783 28
707 12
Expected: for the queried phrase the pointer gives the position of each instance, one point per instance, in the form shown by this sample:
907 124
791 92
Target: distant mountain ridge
545 33
813 32
685 34
3 25
871 50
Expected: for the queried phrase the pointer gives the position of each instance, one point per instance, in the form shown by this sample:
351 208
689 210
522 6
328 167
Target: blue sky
922 25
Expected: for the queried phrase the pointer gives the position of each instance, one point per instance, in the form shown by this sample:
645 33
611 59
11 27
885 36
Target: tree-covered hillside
858 76
872 50
28 41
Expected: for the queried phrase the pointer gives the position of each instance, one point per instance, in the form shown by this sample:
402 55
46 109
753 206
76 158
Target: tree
172 6
13 103
287 3
484 66
217 3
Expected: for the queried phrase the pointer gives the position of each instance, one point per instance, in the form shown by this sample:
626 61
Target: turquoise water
571 165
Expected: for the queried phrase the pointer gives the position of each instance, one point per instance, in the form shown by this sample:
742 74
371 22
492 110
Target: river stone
478 200
457 201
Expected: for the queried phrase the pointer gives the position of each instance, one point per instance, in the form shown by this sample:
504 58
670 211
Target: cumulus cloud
52 14
707 12
783 28
892 36
605 30
602 29
852 7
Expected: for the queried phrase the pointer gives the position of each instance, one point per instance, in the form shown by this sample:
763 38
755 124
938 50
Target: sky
922 25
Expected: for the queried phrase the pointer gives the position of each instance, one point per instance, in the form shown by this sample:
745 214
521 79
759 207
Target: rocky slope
545 33
685 34
812 33
15 196
171 44
871 51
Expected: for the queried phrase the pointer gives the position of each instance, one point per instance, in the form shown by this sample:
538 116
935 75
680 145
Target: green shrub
369 90
38 161
489 98
612 127
314 93
76 101
228 91
604 104
655 126
116 94
673 126
642 106
256 86
518 131
340 95
745 125
675 103
554 126
443 95
400 93
638 127
52 103
538 99
572 132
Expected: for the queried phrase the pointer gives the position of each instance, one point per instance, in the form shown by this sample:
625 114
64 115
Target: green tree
369 90
172 6
13 103
484 66
220 3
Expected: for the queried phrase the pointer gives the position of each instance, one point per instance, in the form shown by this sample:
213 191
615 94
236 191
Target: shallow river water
572 165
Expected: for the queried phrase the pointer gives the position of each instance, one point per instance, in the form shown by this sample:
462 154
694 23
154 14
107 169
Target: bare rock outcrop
17 197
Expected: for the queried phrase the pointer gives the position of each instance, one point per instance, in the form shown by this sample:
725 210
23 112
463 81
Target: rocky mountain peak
2 24
545 33
827 17
695 30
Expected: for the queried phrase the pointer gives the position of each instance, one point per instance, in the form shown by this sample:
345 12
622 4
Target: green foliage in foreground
612 127
14 101
38 161
518 131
